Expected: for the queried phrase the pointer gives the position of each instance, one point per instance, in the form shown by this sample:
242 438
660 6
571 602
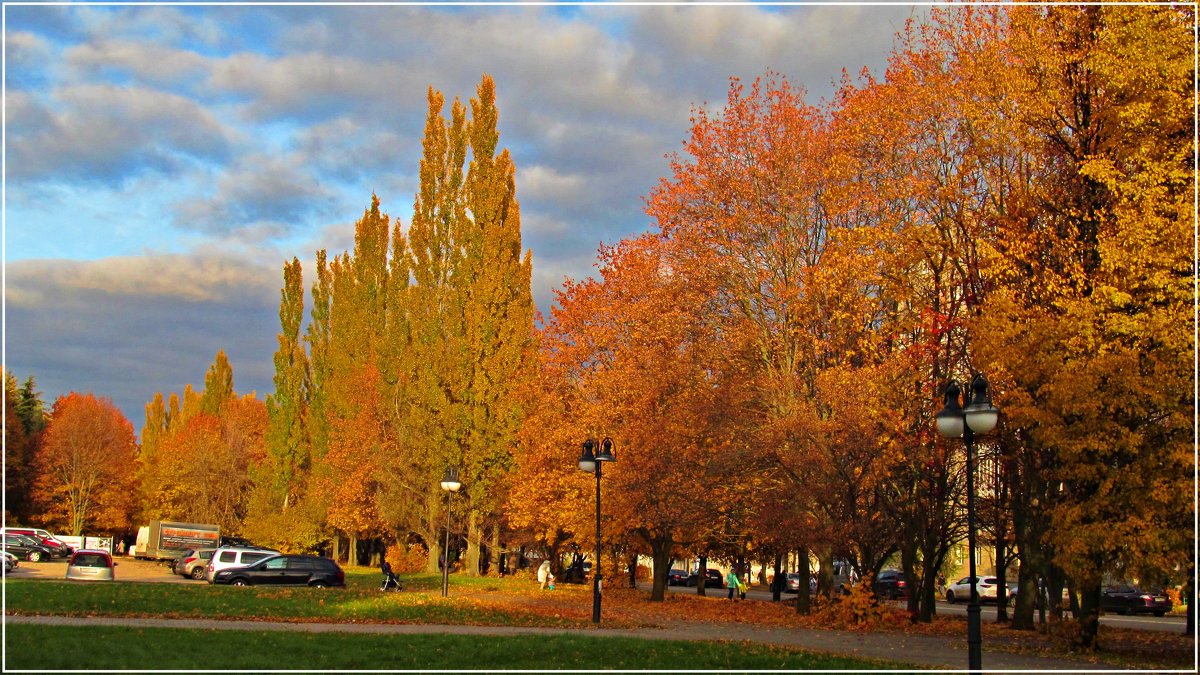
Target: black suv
285 570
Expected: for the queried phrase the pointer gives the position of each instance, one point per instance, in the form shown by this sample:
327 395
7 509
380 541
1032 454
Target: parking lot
128 569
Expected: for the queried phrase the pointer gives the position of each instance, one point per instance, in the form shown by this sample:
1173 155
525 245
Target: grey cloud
148 62
128 327
260 197
107 133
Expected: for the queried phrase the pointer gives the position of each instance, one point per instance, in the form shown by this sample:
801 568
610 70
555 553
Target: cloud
148 63
108 133
258 198
128 327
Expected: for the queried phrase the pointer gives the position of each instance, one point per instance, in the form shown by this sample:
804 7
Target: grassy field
104 648
359 601
511 601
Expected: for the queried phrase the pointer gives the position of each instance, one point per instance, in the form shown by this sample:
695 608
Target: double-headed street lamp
593 458
450 484
976 416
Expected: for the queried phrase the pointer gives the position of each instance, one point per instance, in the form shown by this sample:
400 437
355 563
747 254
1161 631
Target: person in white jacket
544 576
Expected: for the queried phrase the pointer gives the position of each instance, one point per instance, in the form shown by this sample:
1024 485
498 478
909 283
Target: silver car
89 565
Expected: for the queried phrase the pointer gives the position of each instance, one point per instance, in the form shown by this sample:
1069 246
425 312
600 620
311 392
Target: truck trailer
162 540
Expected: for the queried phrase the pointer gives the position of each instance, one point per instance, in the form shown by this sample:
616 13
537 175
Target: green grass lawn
361 600
119 648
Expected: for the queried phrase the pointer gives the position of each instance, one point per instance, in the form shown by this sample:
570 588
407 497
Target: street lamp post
954 421
450 484
593 459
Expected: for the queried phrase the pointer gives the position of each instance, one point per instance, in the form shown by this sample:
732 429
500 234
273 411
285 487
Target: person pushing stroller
391 582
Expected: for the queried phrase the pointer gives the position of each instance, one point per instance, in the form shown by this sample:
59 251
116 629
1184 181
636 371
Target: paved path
925 652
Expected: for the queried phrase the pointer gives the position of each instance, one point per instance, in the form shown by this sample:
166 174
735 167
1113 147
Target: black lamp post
450 484
954 421
593 459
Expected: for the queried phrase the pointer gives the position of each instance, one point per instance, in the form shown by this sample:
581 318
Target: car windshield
90 560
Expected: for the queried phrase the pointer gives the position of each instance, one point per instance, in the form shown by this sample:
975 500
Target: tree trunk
474 544
780 577
1089 615
825 574
1001 580
337 547
352 561
495 551
1189 590
803 595
1027 597
661 553
702 572
908 564
632 564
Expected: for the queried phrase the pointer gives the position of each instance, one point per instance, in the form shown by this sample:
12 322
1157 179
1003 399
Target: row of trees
1013 198
1016 199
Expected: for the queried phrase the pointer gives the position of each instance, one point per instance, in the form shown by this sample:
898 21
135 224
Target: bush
407 559
859 610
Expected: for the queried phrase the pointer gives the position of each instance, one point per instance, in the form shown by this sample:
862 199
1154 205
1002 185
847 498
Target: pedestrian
742 586
544 576
734 584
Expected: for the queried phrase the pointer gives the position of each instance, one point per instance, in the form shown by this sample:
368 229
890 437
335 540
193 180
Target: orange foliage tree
86 465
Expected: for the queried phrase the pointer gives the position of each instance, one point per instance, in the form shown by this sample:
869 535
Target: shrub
859 610
407 559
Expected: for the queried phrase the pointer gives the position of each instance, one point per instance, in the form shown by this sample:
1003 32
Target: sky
162 162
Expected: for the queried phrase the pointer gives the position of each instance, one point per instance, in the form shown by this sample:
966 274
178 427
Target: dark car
890 584
677 577
1126 599
22 546
285 570
712 579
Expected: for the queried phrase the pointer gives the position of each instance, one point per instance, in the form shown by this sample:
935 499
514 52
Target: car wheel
1160 614
35 556
239 582
950 597
319 584
198 573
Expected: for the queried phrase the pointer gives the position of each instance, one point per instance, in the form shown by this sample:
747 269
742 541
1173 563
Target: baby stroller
391 582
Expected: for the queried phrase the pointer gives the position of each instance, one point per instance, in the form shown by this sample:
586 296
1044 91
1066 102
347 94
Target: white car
985 587
234 556
10 562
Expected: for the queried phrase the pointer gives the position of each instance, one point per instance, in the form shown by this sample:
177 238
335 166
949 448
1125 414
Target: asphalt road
1166 624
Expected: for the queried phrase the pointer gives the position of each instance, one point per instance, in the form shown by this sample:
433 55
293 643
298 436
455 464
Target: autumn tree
1098 262
197 461
85 465
751 216
625 356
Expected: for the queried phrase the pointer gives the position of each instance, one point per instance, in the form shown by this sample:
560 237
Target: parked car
712 578
24 547
285 570
58 548
193 563
224 558
677 577
10 562
890 584
89 565
986 587
794 581
1126 599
